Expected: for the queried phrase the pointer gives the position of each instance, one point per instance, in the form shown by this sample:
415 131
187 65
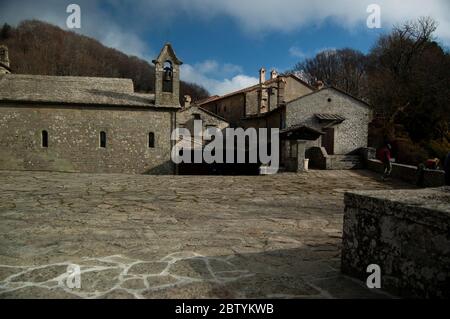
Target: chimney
262 75
262 93
273 74
4 60
187 101
319 85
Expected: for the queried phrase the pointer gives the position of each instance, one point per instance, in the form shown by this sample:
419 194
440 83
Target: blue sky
224 43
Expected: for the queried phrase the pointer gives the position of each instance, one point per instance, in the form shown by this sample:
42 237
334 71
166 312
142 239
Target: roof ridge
64 77
256 86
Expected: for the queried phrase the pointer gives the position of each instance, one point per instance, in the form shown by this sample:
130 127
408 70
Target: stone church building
87 124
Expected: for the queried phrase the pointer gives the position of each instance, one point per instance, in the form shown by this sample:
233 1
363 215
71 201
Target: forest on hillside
37 47
406 78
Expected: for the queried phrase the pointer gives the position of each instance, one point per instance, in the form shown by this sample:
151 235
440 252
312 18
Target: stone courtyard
141 236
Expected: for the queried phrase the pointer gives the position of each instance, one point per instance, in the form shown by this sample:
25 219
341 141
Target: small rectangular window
102 139
44 139
151 140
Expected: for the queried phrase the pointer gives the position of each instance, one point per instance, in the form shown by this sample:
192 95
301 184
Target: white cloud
229 68
215 83
297 52
213 67
256 16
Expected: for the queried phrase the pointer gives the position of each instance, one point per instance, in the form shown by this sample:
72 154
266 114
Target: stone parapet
410 174
406 233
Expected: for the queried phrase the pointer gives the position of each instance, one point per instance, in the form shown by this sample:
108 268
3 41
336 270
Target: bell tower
167 77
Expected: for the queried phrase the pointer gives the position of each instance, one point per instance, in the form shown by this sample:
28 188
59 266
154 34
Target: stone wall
186 118
230 108
406 233
237 106
410 174
73 139
350 135
292 89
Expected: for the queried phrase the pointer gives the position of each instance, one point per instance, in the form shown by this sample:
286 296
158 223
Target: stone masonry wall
73 139
185 118
292 89
406 233
230 108
409 174
350 135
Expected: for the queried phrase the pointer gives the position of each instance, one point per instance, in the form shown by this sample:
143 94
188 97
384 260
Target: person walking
386 159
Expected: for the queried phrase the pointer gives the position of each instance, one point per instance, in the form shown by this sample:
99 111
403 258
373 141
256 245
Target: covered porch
294 142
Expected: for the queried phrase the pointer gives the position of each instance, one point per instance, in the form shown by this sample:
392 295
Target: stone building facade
186 118
258 99
83 124
342 118
327 125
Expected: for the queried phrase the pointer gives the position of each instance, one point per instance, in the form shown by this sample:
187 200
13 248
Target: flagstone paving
141 236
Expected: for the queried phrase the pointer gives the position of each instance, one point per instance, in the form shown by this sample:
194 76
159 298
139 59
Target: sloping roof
206 100
167 50
330 88
255 87
300 132
72 90
329 117
212 114
262 115
204 111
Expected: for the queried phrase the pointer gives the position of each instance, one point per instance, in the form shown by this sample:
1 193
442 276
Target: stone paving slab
140 236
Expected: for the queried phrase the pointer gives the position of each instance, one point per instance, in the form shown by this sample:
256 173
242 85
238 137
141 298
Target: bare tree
344 69
409 80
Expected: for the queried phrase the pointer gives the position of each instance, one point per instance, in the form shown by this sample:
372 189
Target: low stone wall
406 233
409 174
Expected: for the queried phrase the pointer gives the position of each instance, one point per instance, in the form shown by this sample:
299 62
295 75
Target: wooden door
328 140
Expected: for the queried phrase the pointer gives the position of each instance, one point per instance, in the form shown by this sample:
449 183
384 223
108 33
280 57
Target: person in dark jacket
447 169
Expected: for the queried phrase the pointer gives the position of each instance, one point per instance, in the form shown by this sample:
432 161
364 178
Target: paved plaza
141 236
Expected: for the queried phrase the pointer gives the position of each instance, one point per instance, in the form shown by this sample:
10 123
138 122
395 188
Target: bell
168 75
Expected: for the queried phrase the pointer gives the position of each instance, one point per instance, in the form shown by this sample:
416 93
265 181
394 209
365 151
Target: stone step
345 162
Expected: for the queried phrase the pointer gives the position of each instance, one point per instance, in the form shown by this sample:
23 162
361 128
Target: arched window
102 139
151 140
168 77
44 138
